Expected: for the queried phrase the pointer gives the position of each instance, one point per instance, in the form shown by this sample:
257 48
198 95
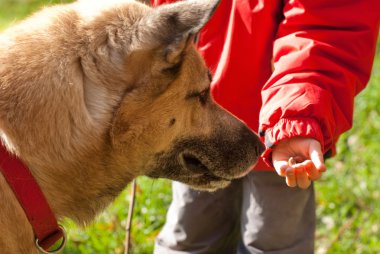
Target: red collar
45 226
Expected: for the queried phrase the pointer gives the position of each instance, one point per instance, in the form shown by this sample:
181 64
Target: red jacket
321 51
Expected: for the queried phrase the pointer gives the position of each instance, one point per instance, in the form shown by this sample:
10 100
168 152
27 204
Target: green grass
348 196
12 10
107 234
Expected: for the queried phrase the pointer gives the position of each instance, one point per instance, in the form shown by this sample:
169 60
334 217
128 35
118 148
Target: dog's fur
95 93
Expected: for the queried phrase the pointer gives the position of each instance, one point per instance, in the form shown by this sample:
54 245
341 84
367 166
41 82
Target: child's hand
299 160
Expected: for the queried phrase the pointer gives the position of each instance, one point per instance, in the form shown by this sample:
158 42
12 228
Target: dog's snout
193 163
259 149
251 140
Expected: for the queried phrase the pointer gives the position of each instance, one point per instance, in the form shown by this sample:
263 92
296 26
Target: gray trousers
257 214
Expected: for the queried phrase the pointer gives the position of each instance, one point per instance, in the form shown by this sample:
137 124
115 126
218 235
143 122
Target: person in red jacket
289 69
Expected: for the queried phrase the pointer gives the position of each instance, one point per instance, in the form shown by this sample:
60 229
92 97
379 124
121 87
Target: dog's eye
203 96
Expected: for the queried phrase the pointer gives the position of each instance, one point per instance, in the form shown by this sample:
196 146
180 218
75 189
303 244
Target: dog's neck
89 182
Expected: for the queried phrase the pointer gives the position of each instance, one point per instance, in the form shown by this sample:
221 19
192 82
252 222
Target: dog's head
167 124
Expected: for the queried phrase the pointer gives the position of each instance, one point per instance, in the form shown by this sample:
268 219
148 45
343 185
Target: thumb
316 156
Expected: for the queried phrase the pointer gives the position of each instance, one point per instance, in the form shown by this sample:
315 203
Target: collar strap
37 210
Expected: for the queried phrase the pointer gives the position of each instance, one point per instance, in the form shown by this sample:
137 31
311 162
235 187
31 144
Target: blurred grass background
348 196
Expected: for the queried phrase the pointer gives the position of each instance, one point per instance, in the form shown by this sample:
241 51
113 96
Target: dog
96 93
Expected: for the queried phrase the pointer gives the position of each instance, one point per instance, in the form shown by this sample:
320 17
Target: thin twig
345 227
128 227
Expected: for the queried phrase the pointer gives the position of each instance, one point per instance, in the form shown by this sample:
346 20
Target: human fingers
302 178
316 156
311 170
290 177
280 166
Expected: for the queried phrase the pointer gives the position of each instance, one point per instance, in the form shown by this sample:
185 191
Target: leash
128 227
32 200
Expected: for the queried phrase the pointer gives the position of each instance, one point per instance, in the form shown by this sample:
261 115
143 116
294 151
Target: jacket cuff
288 128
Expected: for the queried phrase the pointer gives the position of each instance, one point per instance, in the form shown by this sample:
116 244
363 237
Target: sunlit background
348 196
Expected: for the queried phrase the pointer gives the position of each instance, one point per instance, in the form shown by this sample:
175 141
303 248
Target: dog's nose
259 149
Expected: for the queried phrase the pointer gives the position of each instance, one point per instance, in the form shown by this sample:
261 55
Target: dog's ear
171 26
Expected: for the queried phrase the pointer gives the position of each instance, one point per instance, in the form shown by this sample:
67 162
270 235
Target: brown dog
95 93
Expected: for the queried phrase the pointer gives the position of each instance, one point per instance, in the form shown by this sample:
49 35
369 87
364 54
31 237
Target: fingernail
289 172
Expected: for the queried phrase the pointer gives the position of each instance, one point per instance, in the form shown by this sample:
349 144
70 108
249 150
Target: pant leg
201 222
276 219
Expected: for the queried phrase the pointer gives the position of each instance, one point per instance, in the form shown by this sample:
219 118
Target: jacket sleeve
323 55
